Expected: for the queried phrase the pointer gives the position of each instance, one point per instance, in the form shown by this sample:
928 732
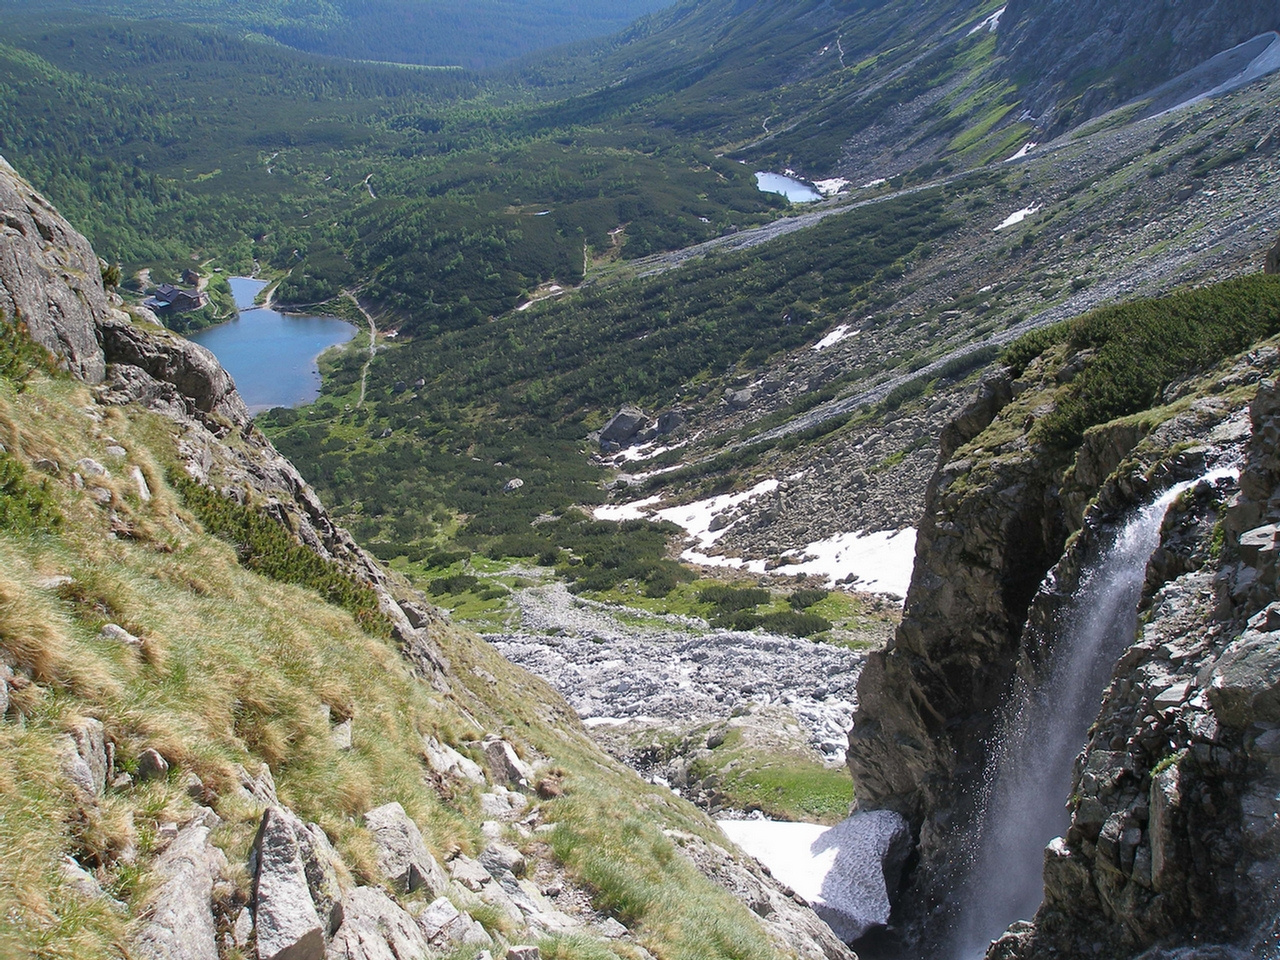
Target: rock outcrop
50 279
1136 47
1175 811
1000 513
181 920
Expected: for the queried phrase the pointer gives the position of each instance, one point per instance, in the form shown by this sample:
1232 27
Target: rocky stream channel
631 673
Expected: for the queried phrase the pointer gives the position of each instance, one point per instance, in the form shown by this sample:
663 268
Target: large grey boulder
505 764
402 854
50 278
181 924
624 425
376 928
287 924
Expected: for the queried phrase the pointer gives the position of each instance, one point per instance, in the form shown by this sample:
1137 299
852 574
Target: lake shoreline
273 353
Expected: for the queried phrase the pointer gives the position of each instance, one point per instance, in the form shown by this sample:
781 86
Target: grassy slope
235 669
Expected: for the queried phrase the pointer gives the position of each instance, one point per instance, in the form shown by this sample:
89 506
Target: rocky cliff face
49 278
1000 513
1175 812
1052 47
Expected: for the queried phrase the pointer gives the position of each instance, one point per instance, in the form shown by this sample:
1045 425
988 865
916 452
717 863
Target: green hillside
472 34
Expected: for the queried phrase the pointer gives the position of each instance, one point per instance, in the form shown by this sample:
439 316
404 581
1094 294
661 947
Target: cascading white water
1028 776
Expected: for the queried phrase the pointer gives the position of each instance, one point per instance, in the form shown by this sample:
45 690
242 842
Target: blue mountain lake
272 355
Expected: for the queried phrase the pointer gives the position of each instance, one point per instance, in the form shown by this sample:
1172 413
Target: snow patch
877 182
1026 148
991 23
1267 62
840 870
626 511
696 517
645 451
881 562
832 187
786 849
834 337
1017 217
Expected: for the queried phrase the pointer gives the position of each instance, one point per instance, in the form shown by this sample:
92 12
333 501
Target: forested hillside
471 33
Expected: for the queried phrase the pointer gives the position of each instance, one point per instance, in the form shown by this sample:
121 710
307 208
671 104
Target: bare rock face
1273 259
1054 41
1174 836
167 358
376 928
402 854
285 918
182 923
998 516
50 278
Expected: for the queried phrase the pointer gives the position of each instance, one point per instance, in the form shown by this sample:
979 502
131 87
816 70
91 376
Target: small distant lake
789 187
272 355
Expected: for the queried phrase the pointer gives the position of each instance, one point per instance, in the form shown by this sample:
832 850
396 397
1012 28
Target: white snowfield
991 24
696 517
1265 63
879 562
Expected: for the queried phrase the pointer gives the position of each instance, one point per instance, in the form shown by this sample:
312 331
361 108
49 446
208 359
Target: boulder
374 927
670 422
626 423
91 748
445 761
285 918
260 789
181 923
151 764
505 764
499 858
446 927
402 855
470 873
341 734
118 634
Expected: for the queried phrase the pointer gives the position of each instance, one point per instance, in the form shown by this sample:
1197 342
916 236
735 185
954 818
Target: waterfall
1028 776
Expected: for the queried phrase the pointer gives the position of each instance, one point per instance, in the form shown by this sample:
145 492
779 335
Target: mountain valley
758 493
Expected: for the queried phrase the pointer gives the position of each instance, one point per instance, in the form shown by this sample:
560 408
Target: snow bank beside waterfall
845 871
